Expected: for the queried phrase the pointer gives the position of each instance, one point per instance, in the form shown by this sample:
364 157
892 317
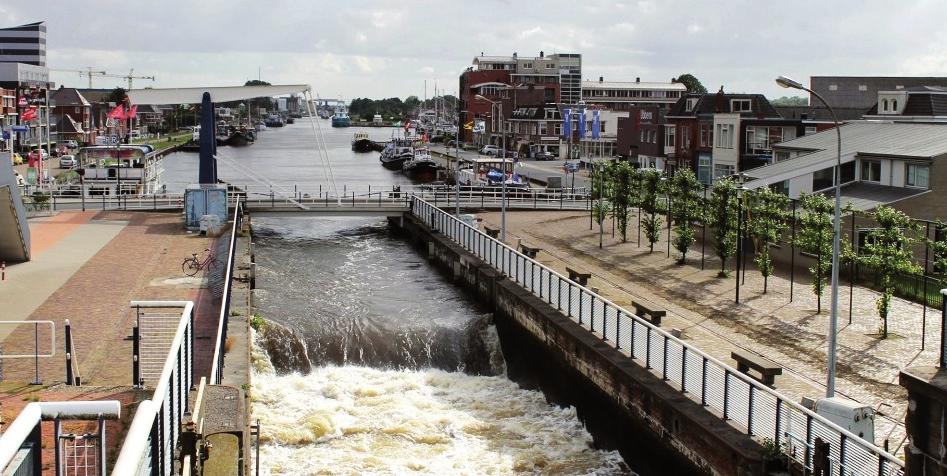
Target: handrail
158 416
223 319
729 372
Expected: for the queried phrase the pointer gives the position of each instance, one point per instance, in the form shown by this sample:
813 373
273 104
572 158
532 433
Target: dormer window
691 102
884 105
894 105
740 105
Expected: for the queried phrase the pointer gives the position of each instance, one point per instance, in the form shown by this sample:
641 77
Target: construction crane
89 72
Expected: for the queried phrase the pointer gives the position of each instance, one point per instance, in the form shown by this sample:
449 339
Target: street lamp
833 319
502 165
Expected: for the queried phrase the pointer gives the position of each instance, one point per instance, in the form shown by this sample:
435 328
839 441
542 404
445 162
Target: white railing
759 411
217 363
152 438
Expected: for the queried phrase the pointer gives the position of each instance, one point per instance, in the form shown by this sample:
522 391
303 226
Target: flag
469 126
29 114
596 125
582 124
118 112
567 122
407 125
132 112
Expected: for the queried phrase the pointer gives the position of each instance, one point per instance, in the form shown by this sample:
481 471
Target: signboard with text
106 140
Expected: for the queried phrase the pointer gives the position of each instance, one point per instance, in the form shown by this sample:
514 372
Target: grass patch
257 322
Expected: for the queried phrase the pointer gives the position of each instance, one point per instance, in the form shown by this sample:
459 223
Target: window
822 179
550 66
644 136
918 175
871 171
811 130
894 105
833 87
725 136
884 105
542 128
527 65
691 102
723 170
740 105
76 110
781 155
654 136
706 135
685 137
558 128
669 136
704 168
863 87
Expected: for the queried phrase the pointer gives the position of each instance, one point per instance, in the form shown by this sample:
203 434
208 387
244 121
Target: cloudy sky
389 48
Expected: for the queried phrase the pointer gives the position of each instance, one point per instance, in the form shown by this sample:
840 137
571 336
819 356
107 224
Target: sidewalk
101 262
702 306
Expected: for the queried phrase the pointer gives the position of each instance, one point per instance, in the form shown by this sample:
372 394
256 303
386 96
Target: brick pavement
702 305
143 262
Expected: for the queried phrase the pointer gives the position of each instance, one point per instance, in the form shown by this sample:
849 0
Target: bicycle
192 265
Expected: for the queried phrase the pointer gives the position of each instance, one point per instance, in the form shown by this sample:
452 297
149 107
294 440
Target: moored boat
361 142
396 153
421 166
341 117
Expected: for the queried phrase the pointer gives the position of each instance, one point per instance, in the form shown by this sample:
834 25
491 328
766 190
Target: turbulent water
371 362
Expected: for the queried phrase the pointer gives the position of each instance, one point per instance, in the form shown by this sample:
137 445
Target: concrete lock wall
656 428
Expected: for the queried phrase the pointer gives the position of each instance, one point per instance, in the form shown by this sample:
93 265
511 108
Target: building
30 84
535 129
816 118
24 44
902 164
721 134
914 104
8 116
71 116
861 92
624 95
558 76
643 138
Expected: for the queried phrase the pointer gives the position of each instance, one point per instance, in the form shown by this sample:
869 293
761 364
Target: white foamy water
358 420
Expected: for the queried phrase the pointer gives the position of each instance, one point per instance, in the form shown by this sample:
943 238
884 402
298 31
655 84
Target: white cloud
530 32
694 28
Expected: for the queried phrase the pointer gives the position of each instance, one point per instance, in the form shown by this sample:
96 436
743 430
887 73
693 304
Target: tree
686 208
624 190
651 186
790 101
939 248
117 95
600 211
887 251
767 220
692 83
256 82
815 237
723 216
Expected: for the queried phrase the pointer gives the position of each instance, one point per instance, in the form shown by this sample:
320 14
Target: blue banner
567 122
582 124
596 125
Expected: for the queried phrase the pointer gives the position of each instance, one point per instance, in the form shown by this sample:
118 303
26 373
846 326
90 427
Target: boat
361 142
118 170
396 153
274 120
341 117
421 166
491 172
377 120
236 136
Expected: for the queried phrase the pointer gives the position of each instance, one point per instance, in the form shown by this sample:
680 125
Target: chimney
637 80
514 55
541 54
601 79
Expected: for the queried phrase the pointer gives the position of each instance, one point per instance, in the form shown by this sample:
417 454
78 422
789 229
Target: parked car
67 162
545 156
71 144
490 150
17 159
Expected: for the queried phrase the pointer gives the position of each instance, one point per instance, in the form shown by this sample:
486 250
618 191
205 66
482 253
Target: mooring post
68 338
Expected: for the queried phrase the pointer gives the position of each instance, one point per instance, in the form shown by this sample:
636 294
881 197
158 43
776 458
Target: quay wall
656 428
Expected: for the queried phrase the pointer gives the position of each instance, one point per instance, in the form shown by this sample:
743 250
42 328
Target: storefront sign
645 115
549 139
106 140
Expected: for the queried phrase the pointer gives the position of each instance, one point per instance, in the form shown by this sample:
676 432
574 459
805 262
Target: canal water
372 362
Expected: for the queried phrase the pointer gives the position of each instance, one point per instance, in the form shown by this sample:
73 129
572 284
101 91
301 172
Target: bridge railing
759 411
223 319
151 440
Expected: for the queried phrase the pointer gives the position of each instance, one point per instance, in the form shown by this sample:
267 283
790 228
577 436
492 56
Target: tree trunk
765 283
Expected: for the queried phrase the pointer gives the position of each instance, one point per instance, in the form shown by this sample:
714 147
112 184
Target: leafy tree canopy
693 84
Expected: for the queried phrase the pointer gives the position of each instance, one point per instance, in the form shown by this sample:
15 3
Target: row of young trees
762 216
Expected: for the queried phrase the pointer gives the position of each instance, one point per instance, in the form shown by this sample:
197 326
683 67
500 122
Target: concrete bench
652 315
578 276
491 231
529 251
767 369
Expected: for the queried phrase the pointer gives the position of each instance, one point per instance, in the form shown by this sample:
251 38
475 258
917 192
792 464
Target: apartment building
625 95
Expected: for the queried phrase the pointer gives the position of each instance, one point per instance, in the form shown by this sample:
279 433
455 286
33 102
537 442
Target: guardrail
152 438
223 319
754 408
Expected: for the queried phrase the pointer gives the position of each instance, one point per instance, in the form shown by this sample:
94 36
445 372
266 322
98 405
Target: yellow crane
90 72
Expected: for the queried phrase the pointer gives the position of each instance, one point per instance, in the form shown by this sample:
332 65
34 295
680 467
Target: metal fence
152 438
753 408
216 373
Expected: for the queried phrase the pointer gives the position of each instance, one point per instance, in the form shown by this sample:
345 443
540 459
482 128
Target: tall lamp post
502 164
837 178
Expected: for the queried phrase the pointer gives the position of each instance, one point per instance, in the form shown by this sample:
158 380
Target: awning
217 93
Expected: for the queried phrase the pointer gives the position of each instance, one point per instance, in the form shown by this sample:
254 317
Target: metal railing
152 438
217 369
748 405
